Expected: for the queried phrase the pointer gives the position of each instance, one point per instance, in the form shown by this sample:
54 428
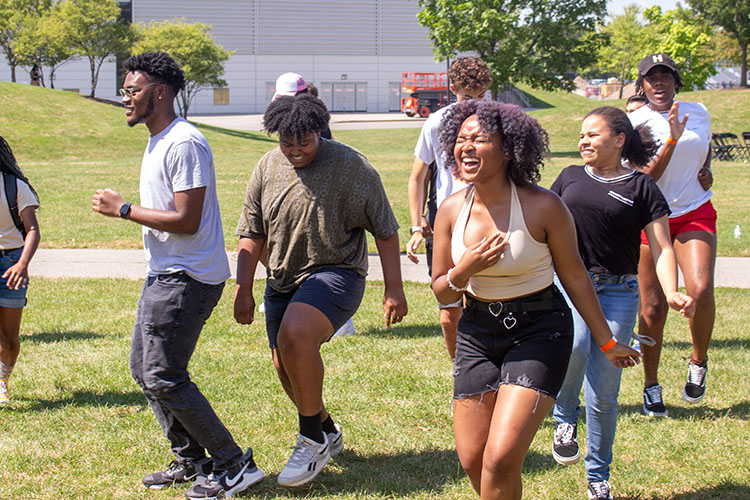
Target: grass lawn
69 146
79 428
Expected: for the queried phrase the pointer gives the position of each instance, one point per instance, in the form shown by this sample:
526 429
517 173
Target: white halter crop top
525 266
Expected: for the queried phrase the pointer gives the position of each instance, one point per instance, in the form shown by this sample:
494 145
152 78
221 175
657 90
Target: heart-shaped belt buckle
495 305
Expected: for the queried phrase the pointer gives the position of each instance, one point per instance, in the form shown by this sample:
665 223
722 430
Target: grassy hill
69 146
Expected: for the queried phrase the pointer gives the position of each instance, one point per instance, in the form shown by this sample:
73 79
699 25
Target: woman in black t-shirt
611 203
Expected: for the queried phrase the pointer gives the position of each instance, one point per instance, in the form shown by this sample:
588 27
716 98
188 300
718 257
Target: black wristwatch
125 210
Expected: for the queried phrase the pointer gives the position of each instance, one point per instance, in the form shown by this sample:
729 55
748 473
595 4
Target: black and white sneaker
565 444
653 405
695 387
306 462
229 482
178 472
599 490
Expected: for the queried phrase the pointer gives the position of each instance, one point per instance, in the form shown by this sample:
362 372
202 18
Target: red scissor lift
427 92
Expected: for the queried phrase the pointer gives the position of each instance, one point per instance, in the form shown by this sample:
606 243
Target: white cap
289 84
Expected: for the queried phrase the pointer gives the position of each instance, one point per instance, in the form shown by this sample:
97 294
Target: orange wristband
671 141
609 345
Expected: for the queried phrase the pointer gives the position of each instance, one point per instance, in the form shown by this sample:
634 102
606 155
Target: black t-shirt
609 215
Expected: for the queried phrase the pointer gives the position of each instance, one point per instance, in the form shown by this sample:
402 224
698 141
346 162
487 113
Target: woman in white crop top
496 242
16 251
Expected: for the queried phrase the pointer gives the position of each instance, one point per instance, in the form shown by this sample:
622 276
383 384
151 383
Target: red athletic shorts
702 218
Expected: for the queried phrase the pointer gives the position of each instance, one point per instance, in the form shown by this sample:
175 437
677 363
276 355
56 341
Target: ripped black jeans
526 348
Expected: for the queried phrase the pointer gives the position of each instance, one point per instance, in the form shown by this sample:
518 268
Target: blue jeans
618 297
171 312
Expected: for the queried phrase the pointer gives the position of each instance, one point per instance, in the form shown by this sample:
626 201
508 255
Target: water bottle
737 232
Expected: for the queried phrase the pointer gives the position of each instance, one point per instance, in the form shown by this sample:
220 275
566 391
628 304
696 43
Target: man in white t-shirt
470 78
187 267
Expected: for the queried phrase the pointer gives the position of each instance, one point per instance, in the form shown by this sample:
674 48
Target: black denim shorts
526 348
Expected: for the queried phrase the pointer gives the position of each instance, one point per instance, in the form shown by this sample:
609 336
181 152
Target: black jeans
172 310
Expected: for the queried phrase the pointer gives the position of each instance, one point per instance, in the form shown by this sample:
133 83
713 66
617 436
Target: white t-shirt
428 150
679 182
178 159
10 236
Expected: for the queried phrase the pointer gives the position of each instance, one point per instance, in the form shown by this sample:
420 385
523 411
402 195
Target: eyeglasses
132 91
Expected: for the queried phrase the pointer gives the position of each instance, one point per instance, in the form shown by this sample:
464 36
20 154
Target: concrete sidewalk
84 263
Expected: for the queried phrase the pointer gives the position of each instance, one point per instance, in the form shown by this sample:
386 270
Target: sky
615 7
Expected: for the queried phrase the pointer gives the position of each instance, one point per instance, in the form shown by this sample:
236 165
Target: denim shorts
12 299
333 291
526 348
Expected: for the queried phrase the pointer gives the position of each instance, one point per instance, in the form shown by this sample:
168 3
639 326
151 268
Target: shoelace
564 433
302 453
654 394
696 374
601 489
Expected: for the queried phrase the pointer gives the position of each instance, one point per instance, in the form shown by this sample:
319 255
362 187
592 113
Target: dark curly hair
525 142
640 146
470 73
9 164
158 66
295 116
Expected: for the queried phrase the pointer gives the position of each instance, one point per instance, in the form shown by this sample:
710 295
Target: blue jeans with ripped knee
618 297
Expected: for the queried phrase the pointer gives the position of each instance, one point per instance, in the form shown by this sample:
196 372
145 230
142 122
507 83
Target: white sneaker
4 395
335 441
306 462
347 329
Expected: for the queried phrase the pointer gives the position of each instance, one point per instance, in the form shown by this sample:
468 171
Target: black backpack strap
11 196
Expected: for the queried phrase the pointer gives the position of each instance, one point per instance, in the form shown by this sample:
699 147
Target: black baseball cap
652 60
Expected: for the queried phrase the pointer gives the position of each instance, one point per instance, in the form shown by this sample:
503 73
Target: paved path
130 264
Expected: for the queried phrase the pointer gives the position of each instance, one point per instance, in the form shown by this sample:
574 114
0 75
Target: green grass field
69 146
79 428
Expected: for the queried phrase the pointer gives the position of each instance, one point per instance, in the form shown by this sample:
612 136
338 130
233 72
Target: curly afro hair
158 66
295 116
525 142
470 73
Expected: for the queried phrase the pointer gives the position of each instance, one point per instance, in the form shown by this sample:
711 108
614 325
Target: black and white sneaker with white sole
229 482
599 490
178 472
565 444
306 462
695 386
653 404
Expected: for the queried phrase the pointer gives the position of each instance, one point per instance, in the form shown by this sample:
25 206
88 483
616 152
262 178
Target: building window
221 97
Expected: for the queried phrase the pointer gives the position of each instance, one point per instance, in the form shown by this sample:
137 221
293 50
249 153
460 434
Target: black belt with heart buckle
541 301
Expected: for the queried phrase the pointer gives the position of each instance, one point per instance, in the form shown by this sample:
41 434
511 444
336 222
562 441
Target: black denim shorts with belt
525 341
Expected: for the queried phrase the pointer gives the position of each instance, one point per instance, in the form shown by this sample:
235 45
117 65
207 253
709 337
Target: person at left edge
187 267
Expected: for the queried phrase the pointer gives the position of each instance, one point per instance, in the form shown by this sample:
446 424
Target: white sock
5 371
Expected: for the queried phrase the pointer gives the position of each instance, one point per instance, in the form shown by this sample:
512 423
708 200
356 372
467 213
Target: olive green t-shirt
315 216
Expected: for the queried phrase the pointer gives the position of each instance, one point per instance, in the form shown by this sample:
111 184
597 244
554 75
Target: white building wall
326 41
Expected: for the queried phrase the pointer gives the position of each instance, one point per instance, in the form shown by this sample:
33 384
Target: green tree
14 18
682 35
734 17
534 41
624 34
95 32
193 48
45 41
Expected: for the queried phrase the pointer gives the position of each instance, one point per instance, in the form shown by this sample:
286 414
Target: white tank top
525 266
